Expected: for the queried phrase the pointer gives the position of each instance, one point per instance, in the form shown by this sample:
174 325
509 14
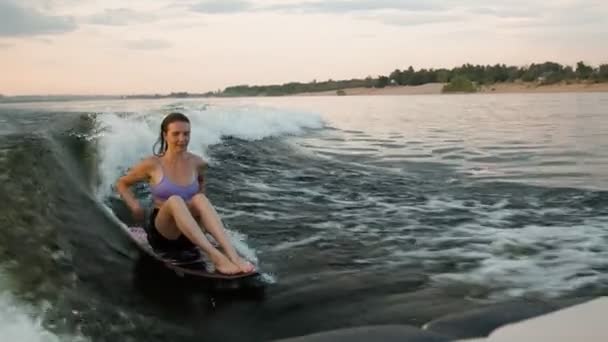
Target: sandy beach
435 88
553 88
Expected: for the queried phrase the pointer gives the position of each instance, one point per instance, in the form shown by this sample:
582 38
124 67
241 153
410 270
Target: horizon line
198 93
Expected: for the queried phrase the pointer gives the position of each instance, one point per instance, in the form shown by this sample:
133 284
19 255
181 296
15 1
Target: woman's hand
139 172
138 213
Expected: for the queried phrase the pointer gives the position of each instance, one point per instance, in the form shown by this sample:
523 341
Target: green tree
382 82
583 71
603 72
395 76
460 84
407 75
442 75
569 73
514 73
547 73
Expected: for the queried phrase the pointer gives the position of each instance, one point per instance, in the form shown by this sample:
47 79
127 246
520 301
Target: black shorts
161 243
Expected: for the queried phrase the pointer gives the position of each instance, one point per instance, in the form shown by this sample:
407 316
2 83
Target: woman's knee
199 200
177 206
164 222
175 201
199 197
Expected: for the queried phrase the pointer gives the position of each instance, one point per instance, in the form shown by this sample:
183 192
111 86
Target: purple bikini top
165 189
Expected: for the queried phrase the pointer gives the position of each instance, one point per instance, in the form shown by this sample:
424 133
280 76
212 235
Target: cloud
221 6
16 20
567 17
119 17
505 12
337 6
329 6
576 14
148 44
420 12
543 13
415 19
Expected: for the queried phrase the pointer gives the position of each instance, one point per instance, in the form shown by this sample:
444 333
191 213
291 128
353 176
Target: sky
161 46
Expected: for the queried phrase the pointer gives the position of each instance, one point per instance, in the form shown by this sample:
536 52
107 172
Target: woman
177 185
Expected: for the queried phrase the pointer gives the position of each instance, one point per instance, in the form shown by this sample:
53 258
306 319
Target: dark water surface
358 210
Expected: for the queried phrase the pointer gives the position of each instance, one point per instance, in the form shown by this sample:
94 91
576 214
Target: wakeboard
191 262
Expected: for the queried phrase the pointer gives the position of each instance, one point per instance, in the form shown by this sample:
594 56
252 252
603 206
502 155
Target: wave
24 322
61 167
123 139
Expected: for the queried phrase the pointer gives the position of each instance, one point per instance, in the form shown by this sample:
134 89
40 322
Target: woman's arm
201 170
137 173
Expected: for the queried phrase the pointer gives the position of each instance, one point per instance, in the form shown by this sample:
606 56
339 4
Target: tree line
542 73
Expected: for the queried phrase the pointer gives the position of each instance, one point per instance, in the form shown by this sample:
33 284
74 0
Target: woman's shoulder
143 168
196 158
198 161
149 162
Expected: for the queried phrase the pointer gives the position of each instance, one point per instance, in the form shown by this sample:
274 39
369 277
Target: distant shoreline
498 88
547 77
396 90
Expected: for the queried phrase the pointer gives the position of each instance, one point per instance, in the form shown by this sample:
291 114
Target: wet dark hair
172 117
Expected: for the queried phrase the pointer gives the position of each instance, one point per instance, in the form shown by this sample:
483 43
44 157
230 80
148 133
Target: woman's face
178 135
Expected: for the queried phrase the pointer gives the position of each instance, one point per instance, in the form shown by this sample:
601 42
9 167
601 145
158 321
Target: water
359 210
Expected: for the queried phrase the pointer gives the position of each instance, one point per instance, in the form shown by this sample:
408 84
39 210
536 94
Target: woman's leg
212 224
174 219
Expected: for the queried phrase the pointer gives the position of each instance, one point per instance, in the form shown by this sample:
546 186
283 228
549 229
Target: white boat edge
581 322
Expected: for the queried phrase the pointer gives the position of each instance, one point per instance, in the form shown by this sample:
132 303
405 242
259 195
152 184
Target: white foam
125 139
253 123
542 259
290 244
121 142
22 322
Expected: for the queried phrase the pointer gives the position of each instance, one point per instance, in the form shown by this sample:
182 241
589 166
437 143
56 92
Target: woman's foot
223 265
244 266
